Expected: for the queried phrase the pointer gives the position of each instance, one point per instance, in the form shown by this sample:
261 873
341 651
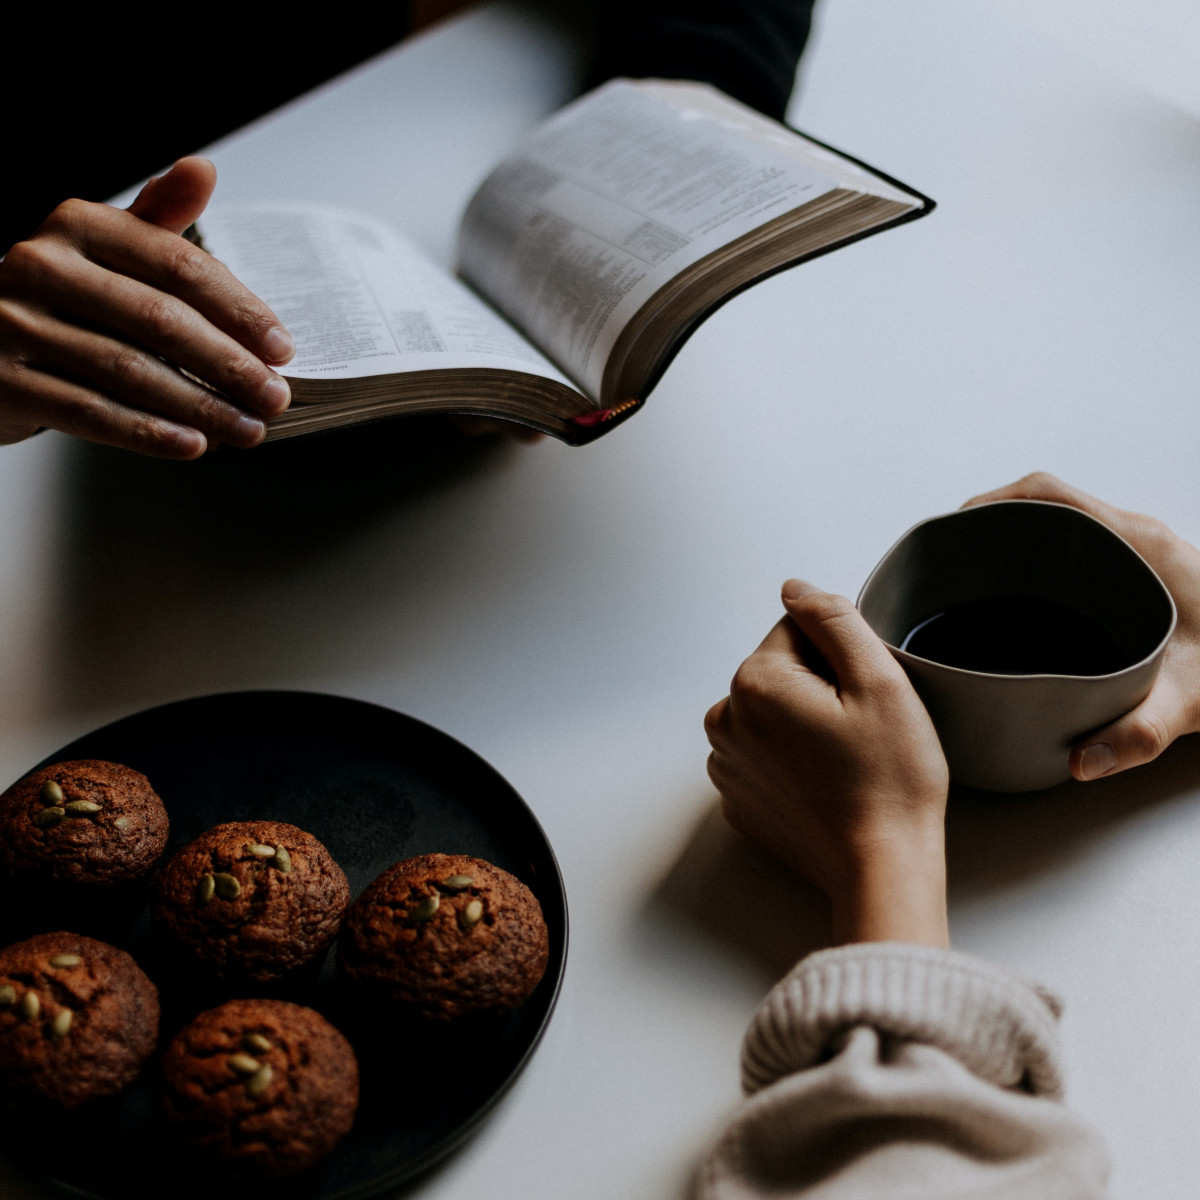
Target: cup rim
1159 647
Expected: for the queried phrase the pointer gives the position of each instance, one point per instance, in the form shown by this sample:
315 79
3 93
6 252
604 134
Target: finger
130 376
1039 485
859 661
1151 538
174 201
714 769
81 412
1138 737
129 247
1043 486
716 721
720 779
162 323
15 423
734 815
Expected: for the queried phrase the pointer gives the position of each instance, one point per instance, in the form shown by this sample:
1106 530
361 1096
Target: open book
586 259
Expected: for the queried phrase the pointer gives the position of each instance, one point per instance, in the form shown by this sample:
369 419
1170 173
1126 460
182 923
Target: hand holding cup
1172 707
825 757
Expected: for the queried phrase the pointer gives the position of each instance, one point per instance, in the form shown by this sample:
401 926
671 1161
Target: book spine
601 415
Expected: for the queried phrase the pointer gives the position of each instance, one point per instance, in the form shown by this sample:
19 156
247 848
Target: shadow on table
993 840
266 509
169 570
738 898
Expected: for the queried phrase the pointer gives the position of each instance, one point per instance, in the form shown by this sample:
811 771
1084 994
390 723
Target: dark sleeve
749 49
94 107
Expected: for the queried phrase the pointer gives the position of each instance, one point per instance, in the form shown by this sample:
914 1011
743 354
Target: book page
359 299
754 125
612 197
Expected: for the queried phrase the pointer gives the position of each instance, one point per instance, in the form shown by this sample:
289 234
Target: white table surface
570 613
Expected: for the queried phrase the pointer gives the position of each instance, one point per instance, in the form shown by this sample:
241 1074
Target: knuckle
188 265
18 324
752 683
30 260
885 686
1040 483
69 218
162 316
254 319
242 374
95 415
78 412
128 370
714 718
209 411
148 434
1150 736
1154 538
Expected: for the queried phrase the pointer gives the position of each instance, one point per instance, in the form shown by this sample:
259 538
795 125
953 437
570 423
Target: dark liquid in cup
1017 635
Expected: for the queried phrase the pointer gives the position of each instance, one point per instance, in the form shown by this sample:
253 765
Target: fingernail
793 589
279 345
276 396
191 443
249 431
1098 759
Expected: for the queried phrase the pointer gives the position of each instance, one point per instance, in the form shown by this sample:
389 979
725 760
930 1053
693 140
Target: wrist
895 891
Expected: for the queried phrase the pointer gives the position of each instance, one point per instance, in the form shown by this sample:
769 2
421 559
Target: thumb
1138 737
174 200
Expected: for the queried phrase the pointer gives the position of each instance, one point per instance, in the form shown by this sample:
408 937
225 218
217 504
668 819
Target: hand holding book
99 308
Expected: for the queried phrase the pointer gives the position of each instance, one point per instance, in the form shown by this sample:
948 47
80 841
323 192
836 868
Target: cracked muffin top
252 900
78 1019
259 1088
88 822
447 936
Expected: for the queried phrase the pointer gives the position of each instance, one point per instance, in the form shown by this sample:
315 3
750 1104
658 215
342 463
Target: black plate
375 787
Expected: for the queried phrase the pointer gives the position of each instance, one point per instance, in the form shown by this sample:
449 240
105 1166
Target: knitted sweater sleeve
906 1073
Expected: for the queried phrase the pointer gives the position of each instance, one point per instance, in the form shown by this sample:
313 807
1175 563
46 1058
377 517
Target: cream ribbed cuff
997 1025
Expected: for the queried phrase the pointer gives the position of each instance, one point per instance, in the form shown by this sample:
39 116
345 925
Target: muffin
258 1088
252 901
92 823
446 936
78 1019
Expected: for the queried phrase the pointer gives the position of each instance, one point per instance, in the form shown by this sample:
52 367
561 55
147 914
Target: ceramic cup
1013 733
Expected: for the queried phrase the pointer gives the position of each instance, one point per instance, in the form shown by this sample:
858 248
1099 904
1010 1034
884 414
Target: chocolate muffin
253 901
260 1088
447 936
78 1018
93 823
